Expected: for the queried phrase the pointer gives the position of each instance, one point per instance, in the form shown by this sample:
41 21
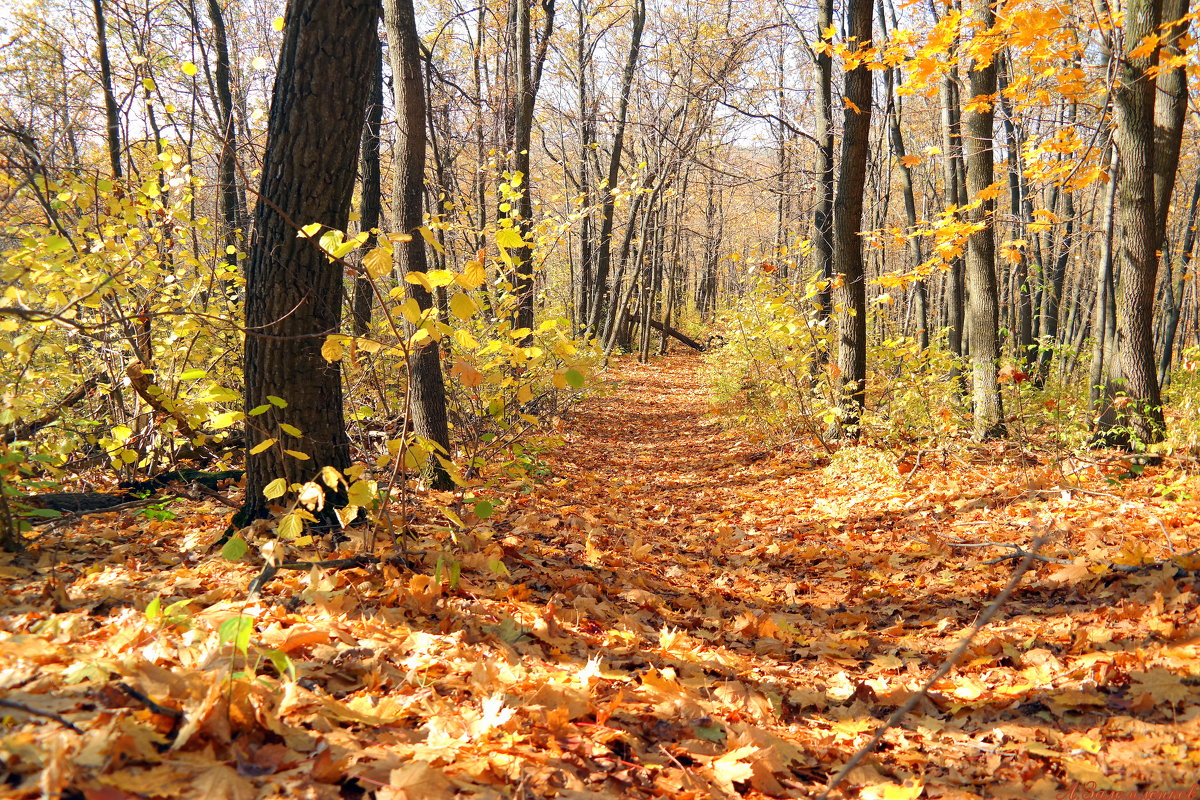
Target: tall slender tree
426 383
850 278
983 302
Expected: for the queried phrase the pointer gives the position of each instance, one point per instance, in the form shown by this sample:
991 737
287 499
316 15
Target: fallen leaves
676 612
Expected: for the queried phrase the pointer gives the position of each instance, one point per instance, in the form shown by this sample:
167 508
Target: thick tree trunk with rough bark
1139 420
293 290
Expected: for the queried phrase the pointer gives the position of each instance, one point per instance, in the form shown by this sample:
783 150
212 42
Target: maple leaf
1162 686
221 782
417 781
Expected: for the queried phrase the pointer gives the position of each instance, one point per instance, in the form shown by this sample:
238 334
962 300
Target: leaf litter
676 611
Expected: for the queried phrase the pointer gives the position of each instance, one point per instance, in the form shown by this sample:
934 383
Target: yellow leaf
411 311
1147 46
462 306
990 193
378 262
509 238
420 279
430 239
440 277
263 445
188 68
275 488
473 275
298 455
277 23
334 347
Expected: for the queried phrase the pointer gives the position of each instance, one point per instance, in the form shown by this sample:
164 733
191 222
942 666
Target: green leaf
275 488
254 412
154 609
282 662
235 548
712 733
236 631
575 378
484 509
290 430
278 402
192 375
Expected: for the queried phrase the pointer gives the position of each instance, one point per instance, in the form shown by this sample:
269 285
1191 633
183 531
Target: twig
940 672
72 516
198 488
166 711
39 713
269 570
1018 552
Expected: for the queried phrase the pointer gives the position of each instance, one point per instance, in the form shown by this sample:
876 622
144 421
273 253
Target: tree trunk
847 224
822 238
608 207
1139 420
232 201
956 194
1170 113
1185 261
1104 314
293 290
426 386
112 123
983 306
370 205
896 136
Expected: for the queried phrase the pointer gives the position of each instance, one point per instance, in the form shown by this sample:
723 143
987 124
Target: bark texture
426 384
293 291
983 302
851 294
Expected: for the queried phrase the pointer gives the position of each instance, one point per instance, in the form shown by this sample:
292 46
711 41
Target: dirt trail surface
674 610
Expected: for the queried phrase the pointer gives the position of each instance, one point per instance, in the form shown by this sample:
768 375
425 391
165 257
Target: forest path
675 611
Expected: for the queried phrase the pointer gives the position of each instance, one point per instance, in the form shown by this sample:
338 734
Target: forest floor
675 610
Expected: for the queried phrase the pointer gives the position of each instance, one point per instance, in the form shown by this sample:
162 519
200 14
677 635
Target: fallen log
73 398
669 331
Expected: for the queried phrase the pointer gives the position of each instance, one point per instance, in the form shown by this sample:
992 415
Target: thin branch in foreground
35 712
940 672
1018 552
